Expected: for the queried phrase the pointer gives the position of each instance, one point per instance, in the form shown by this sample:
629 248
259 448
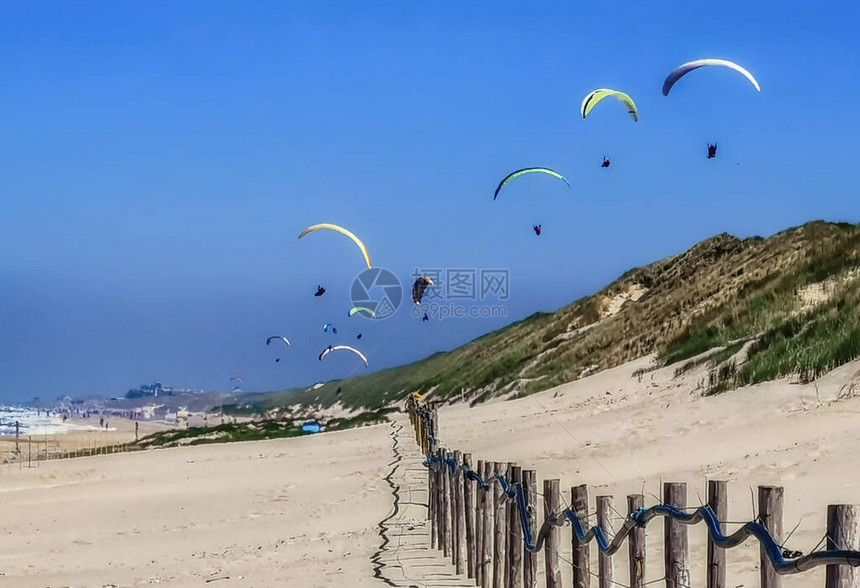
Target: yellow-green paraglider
528 170
592 100
342 231
358 309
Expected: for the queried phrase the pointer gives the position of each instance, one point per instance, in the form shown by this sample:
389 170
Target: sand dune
622 436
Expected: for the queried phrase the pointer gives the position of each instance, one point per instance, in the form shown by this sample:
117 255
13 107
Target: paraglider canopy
332 348
342 231
277 337
329 327
597 96
683 70
418 288
528 170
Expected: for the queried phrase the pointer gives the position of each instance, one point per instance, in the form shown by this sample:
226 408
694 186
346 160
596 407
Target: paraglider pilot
537 229
712 151
606 162
320 291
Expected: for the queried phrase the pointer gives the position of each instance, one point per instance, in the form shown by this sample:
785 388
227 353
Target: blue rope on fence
640 518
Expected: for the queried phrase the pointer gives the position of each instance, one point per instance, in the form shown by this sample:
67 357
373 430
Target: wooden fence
483 515
31 451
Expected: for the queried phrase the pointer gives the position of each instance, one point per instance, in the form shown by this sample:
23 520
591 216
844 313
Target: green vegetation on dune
721 291
808 345
225 433
253 431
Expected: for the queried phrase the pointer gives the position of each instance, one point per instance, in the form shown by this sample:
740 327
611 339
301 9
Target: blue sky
150 223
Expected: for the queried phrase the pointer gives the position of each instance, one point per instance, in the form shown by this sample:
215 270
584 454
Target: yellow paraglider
590 101
342 231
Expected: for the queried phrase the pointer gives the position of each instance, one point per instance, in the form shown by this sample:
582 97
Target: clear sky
149 222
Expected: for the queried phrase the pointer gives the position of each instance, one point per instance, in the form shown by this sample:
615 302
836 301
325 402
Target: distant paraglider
537 229
683 70
528 170
342 231
358 309
320 291
712 150
606 162
595 97
278 338
332 348
329 327
237 379
358 336
418 288
425 318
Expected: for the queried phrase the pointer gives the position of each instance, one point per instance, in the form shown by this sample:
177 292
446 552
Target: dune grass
253 431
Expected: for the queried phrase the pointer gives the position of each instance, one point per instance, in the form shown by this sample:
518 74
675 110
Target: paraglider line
529 195
321 185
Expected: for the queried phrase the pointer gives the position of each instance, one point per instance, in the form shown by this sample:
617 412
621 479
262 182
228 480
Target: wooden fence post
677 553
434 424
770 515
431 502
469 509
501 530
530 560
440 502
604 562
480 503
446 507
515 580
636 543
718 501
459 514
430 506
579 505
509 474
434 500
843 532
419 425
487 558
551 502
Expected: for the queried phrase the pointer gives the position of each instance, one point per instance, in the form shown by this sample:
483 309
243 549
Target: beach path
406 559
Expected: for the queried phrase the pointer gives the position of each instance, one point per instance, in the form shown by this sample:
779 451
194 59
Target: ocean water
32 422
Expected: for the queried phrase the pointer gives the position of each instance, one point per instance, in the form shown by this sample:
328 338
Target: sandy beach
298 512
305 512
